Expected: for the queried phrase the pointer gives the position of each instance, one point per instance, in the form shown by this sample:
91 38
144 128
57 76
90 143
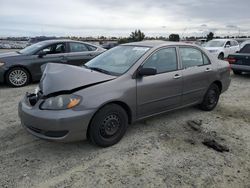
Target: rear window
245 49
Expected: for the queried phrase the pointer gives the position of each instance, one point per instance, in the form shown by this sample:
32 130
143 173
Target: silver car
123 85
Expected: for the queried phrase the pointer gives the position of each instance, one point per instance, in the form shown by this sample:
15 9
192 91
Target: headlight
1 63
61 102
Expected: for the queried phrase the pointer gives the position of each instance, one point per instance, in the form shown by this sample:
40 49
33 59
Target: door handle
177 76
208 70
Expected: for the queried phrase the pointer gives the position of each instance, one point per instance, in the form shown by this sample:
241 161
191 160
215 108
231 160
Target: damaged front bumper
57 125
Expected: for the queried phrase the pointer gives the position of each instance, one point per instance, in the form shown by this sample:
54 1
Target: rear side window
191 57
164 60
77 47
245 49
91 48
206 61
235 43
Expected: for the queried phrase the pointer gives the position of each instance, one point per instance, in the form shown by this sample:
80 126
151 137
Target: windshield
32 48
117 60
215 43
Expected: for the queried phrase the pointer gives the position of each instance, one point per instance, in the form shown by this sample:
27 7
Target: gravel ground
159 152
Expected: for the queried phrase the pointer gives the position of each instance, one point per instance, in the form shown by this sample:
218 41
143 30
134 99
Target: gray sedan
123 85
21 67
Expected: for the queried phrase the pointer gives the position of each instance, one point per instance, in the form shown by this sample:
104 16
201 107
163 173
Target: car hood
60 78
9 54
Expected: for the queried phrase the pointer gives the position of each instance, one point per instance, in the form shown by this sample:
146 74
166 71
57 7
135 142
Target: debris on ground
190 141
195 124
215 145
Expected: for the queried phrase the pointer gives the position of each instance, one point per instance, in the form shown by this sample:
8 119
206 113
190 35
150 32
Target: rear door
162 91
197 74
234 47
80 53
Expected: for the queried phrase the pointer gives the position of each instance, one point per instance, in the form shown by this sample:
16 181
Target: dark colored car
240 62
125 84
109 45
21 67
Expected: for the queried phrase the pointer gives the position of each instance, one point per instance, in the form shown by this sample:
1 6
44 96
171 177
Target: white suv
221 48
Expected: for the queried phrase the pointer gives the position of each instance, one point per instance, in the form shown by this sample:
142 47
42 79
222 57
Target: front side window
54 49
77 47
164 60
191 57
228 43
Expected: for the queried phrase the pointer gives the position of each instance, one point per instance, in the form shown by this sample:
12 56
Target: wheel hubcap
18 77
212 98
110 126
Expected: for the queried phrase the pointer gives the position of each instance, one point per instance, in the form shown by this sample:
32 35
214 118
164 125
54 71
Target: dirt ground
159 152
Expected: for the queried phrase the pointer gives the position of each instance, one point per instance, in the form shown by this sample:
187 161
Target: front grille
54 134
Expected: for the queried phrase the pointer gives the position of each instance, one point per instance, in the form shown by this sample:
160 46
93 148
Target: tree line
138 35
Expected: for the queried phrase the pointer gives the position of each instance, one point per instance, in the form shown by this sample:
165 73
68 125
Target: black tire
211 98
108 125
237 72
221 56
22 77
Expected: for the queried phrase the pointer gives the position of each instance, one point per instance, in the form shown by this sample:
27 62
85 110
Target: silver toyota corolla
123 85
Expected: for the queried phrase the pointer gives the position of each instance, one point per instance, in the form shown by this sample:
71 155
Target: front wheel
211 98
108 125
221 56
17 77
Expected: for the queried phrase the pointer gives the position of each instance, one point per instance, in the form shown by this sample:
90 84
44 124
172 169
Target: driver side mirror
147 71
41 54
227 46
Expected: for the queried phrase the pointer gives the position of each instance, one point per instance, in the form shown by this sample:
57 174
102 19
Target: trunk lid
240 59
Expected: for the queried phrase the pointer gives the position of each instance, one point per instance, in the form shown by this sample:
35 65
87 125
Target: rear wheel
108 126
237 72
221 56
211 98
17 77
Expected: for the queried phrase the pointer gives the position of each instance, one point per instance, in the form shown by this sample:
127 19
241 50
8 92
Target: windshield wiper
98 70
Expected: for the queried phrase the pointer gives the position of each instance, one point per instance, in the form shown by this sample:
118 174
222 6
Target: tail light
231 60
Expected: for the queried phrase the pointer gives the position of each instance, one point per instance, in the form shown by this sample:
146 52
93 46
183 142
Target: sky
120 17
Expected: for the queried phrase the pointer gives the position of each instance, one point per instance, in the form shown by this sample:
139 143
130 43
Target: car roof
63 40
223 40
155 43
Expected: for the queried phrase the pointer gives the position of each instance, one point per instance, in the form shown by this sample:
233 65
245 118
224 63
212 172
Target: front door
160 92
54 53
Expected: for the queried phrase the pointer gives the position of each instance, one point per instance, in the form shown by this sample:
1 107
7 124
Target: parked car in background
21 67
221 48
200 42
240 62
244 43
109 45
127 83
